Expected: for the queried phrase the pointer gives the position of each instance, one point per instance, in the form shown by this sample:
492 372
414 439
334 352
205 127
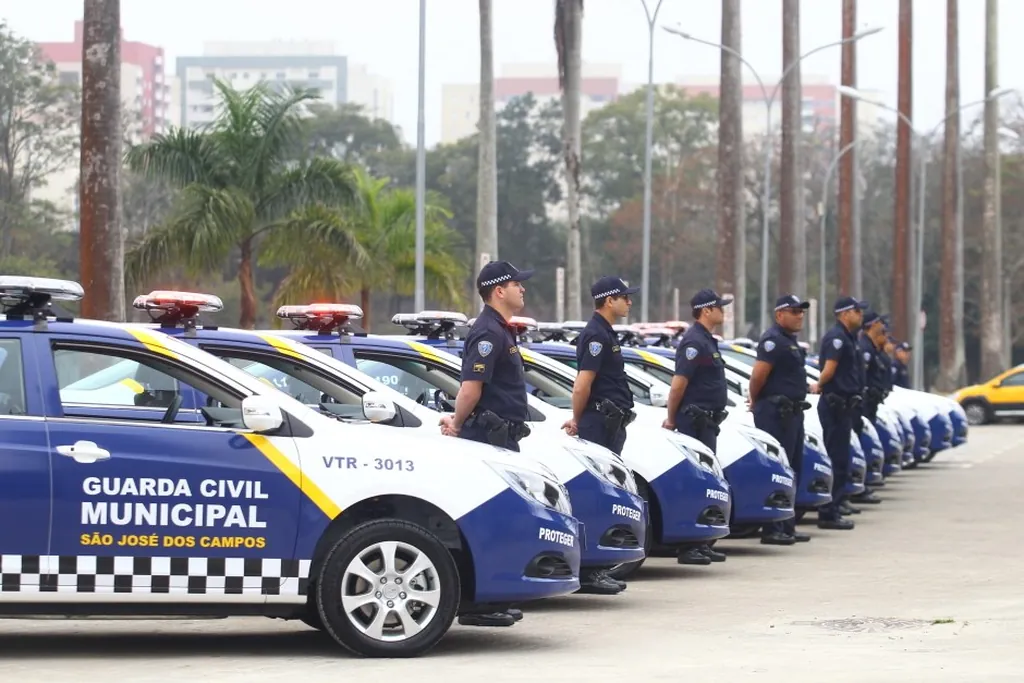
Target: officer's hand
570 427
448 426
668 424
750 406
814 388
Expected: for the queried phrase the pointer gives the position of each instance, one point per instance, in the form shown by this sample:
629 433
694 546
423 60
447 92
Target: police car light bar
322 317
441 317
522 323
173 306
574 325
15 289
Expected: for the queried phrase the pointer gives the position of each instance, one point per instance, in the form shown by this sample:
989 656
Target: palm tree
240 190
383 223
568 39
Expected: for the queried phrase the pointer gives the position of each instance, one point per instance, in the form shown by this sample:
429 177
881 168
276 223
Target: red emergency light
169 306
323 318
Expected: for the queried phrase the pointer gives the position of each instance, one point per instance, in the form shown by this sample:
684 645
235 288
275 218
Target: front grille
778 500
548 566
619 537
819 486
712 516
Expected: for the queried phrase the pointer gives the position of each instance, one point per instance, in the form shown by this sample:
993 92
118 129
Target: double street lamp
923 141
645 283
769 100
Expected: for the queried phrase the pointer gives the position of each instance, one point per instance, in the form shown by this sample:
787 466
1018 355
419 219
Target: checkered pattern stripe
188 575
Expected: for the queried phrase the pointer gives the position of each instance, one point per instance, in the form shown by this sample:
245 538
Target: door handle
85 452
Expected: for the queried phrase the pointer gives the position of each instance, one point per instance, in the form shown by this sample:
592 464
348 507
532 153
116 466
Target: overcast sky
383 34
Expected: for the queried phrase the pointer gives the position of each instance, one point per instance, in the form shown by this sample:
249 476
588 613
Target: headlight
615 473
548 492
706 460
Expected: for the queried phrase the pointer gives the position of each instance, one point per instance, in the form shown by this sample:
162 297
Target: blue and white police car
247 502
687 497
600 486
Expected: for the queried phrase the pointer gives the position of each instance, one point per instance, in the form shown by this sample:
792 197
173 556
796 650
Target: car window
12 378
297 379
1014 380
424 382
129 378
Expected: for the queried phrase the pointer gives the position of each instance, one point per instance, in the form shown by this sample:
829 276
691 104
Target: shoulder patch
769 345
867 355
691 352
485 347
837 344
595 348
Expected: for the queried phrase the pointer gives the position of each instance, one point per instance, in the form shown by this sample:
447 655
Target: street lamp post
421 166
923 140
645 280
769 100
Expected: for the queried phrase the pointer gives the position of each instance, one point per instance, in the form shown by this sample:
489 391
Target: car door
1007 397
144 505
24 472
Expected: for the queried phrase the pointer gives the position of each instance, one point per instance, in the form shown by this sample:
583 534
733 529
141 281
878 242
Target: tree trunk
364 303
992 353
847 134
731 246
790 165
101 249
951 322
487 168
903 317
568 39
246 287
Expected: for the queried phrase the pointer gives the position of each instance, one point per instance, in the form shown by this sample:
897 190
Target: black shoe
835 524
492 619
866 499
847 509
608 578
599 583
516 614
692 556
778 538
711 553
800 538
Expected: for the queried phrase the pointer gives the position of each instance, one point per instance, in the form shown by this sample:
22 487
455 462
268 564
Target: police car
204 491
612 516
688 499
760 478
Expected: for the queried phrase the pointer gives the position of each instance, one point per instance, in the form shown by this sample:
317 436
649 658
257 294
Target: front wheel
388 588
977 413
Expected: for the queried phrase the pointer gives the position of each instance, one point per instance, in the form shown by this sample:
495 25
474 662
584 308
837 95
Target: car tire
977 412
367 622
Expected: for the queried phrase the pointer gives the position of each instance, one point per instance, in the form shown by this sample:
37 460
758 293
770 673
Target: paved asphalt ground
928 587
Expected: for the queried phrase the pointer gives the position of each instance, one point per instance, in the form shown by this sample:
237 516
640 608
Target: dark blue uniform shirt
491 355
840 345
874 370
788 376
900 374
699 361
597 349
885 364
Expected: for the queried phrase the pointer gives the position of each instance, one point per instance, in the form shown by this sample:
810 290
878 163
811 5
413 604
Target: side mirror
261 414
659 398
377 407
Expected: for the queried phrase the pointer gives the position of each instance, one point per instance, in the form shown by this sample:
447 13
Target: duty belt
787 406
615 418
498 429
702 418
838 402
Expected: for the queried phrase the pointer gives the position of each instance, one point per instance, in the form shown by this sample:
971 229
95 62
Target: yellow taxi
1000 397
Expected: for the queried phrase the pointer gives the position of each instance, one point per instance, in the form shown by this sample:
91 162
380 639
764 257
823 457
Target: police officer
778 389
841 384
871 342
601 400
491 404
900 365
699 393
